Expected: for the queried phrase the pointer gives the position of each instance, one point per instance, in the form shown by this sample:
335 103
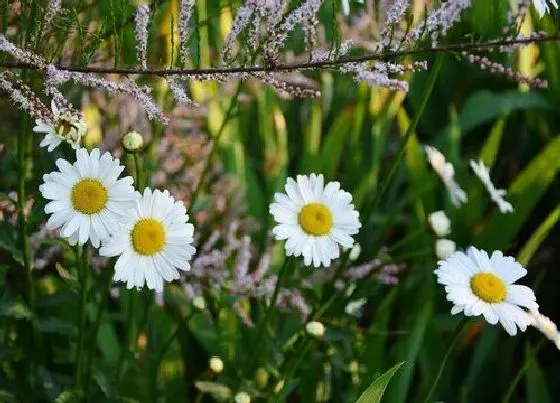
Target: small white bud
316 329
355 252
440 223
132 142
445 248
216 364
242 397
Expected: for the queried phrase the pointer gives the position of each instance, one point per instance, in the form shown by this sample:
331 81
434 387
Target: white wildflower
497 195
446 172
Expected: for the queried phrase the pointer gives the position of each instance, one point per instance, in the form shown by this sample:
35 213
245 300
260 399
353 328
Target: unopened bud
132 142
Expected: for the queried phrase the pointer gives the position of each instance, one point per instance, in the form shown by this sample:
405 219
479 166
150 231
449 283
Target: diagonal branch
292 66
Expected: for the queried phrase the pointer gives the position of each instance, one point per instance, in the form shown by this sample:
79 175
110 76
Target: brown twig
289 66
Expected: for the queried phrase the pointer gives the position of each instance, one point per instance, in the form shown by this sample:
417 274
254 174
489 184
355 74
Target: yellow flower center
89 196
489 287
315 219
148 237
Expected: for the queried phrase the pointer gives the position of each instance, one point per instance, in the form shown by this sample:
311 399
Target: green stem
83 273
108 281
129 332
458 331
432 78
214 146
260 333
139 174
520 373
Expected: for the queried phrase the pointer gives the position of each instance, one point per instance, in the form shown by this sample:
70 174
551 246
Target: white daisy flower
88 199
66 127
314 219
154 243
445 248
497 195
446 171
542 6
481 285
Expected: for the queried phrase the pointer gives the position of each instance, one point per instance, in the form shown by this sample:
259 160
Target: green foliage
375 391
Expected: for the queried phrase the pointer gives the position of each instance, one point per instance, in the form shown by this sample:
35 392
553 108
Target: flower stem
520 373
260 333
432 78
83 269
138 172
107 278
214 146
458 331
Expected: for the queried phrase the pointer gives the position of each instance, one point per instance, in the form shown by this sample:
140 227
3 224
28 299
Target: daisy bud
242 397
440 223
315 329
216 364
355 252
132 142
445 248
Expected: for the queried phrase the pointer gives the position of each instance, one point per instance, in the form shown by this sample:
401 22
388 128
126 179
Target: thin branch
290 66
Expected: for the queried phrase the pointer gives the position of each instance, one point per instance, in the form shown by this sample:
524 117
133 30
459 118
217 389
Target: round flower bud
242 397
216 364
445 248
354 367
316 329
440 223
132 142
199 302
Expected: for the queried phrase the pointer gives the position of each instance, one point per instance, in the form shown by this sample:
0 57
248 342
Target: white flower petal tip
315 219
154 244
87 198
478 284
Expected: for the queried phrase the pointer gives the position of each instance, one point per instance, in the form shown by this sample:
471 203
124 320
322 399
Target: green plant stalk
520 373
130 322
22 225
432 78
138 172
83 273
458 331
214 147
108 280
260 333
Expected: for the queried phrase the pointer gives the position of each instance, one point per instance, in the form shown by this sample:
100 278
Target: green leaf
525 255
375 391
484 106
536 385
524 193
8 242
410 348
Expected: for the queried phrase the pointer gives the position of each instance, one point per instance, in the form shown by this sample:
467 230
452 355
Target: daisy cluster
89 201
